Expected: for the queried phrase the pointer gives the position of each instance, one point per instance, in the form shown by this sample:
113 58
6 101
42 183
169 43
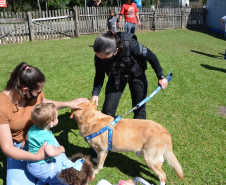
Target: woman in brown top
23 91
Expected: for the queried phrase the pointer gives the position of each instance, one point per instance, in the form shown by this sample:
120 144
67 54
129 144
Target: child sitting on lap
44 116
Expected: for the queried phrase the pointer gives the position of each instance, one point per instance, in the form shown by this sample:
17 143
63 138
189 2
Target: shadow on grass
222 54
208 32
213 68
208 55
128 166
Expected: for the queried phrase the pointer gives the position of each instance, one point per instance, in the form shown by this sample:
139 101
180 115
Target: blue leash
118 118
168 78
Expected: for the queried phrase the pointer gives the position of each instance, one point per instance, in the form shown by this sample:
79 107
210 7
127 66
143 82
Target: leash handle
168 78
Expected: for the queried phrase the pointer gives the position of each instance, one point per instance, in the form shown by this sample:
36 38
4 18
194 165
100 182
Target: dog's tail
172 161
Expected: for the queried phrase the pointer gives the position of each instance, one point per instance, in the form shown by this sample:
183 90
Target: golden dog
129 135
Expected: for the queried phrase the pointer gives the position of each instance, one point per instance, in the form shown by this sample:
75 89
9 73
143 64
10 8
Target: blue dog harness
110 132
110 126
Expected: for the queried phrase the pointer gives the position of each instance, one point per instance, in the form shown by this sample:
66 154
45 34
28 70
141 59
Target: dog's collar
108 127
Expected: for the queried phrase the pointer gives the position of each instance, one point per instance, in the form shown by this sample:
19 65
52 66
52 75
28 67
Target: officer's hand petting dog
95 99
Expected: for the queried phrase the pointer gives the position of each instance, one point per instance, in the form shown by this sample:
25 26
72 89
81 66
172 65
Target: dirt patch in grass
223 111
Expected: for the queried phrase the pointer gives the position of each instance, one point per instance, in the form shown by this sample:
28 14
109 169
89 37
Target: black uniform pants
138 89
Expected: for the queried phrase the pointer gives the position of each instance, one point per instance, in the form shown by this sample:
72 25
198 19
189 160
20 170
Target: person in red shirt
130 12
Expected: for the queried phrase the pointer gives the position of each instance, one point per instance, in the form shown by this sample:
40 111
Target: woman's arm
138 19
6 144
98 2
119 21
72 104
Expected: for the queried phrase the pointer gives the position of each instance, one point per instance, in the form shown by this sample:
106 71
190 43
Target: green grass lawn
189 108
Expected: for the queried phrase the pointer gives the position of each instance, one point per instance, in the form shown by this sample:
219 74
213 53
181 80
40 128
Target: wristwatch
161 77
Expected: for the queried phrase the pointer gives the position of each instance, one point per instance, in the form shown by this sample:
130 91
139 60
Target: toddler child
44 116
112 21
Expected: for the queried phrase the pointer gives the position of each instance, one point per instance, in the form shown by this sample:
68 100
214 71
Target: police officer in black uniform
124 60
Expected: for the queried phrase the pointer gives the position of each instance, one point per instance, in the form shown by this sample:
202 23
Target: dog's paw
95 171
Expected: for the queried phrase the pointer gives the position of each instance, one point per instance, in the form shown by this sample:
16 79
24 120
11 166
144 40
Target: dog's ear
72 113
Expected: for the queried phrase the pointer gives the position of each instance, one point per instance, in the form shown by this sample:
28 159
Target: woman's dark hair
74 177
108 43
24 75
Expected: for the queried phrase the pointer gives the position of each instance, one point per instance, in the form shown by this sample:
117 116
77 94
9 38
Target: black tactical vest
127 67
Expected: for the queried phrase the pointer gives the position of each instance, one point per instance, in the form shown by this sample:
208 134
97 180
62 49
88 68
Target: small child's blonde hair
42 114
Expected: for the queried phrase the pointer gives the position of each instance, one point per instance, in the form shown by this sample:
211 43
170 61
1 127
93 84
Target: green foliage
79 3
29 5
147 3
20 5
189 108
57 4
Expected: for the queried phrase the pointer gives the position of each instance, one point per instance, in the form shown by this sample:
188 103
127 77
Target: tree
46 5
58 4
39 7
80 3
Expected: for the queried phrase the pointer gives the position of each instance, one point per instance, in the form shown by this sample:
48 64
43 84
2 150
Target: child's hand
62 149
119 25
52 151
